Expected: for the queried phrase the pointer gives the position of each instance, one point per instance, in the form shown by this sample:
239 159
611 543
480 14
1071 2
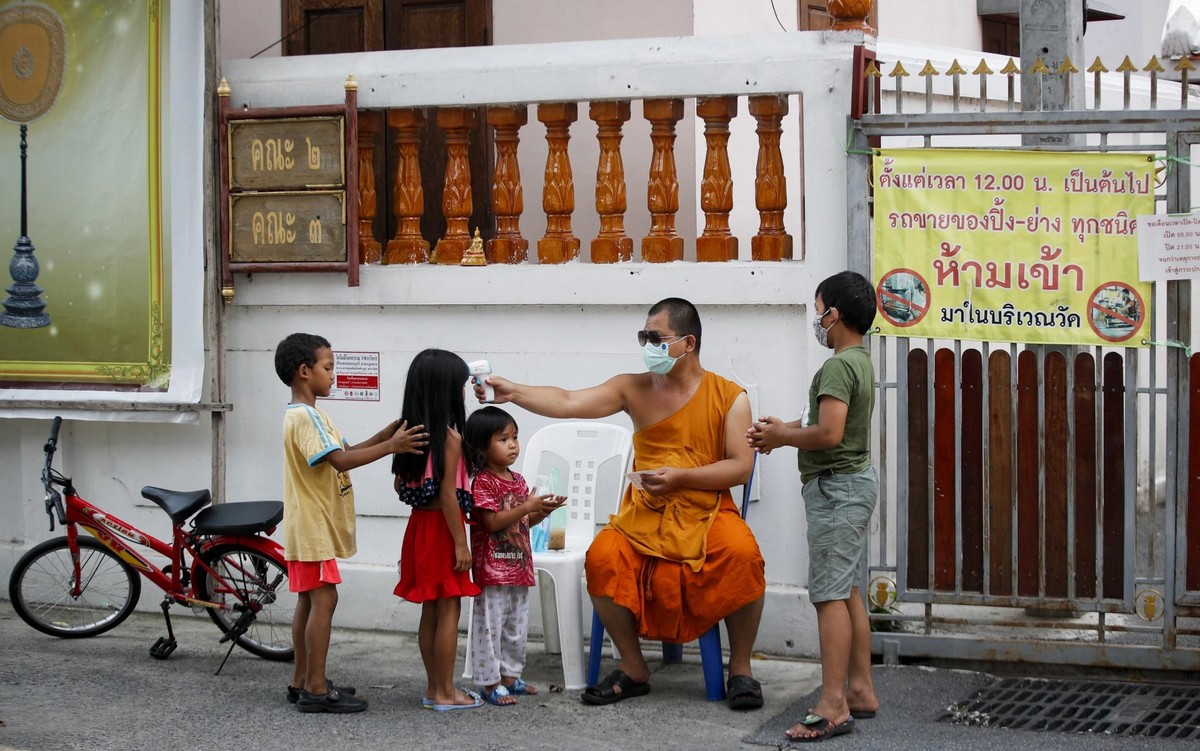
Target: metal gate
1037 503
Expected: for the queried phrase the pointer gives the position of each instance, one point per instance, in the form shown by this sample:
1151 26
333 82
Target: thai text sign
288 227
1169 247
286 154
1014 246
355 377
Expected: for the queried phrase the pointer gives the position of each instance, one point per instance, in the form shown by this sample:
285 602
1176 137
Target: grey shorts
838 509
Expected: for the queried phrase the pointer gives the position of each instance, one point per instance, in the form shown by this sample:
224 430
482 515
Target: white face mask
820 331
656 358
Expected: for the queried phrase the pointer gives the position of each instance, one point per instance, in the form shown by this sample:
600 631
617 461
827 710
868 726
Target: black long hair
433 397
484 424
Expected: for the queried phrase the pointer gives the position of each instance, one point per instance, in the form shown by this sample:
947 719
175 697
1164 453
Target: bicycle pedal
163 648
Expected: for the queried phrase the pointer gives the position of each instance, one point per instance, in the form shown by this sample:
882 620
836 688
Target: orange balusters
611 245
369 249
558 192
662 192
456 192
408 198
771 243
507 196
716 187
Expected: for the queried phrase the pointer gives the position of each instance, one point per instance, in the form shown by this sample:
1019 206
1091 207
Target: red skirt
427 561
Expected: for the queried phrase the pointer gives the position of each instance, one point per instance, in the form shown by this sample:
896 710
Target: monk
677 557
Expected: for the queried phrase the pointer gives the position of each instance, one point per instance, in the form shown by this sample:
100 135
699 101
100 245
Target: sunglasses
655 338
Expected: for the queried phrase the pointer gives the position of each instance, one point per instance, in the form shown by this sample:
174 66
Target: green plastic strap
849 138
1171 343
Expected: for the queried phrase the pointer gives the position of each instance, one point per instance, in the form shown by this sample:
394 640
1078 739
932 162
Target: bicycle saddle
244 518
179 504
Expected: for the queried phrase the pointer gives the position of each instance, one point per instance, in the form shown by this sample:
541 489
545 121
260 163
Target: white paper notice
355 376
1168 247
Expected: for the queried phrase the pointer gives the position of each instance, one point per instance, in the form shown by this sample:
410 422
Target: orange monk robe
680 562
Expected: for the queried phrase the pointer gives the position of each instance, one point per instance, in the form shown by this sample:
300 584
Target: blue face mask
656 358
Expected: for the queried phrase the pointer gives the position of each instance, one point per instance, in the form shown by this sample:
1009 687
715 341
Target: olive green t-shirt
849 377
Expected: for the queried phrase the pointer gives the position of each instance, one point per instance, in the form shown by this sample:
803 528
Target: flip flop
495 695
823 728
862 714
603 693
520 687
451 707
743 692
426 702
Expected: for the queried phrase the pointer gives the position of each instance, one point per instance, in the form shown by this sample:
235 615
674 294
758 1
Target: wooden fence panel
971 471
918 472
1001 498
1192 577
1028 474
1057 431
1086 472
1114 476
945 433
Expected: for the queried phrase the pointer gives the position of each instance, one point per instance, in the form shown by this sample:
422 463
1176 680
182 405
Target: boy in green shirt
840 492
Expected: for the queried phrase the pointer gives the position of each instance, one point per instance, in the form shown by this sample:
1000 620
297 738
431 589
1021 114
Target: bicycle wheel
41 583
249 578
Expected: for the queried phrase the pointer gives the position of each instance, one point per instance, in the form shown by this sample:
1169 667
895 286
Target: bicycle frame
113 534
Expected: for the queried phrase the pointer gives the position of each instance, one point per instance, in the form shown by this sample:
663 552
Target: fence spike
1067 67
1097 66
1040 67
872 70
982 69
898 71
929 70
1127 66
1184 63
1010 68
955 69
1154 66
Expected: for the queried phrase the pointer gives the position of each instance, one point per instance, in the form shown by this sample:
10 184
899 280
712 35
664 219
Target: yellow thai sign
1013 246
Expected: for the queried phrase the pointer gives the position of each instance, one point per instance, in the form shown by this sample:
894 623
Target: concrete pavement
107 693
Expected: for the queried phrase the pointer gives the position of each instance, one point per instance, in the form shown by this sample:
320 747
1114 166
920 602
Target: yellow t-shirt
318 501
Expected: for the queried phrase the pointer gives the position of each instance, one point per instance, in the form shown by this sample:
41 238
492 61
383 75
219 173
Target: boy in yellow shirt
318 516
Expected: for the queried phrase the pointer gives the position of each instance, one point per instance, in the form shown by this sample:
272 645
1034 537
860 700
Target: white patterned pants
498 634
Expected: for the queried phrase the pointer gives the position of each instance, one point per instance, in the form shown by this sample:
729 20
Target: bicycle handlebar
53 497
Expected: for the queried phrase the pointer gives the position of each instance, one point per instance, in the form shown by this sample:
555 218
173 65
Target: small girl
503 563
435 562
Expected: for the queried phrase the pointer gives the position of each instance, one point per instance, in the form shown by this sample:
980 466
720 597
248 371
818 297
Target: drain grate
1152 710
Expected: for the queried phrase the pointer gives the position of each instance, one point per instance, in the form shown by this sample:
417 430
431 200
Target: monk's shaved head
682 315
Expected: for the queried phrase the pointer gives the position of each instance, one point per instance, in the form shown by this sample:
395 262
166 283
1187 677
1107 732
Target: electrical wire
777 16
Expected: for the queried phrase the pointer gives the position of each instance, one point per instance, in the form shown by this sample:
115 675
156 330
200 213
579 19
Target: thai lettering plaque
286 154
288 227
288 190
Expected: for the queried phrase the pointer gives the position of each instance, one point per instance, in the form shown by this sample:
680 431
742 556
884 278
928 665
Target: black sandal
604 693
744 692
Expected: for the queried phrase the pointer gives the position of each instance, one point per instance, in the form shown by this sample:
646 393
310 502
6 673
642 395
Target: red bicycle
76 586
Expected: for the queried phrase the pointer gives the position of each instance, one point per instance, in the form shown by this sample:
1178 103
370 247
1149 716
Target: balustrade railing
655 150
559 244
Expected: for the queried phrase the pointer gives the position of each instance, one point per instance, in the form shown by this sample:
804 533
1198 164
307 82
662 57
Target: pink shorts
304 576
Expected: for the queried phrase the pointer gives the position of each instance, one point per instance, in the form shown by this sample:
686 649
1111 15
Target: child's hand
406 440
543 504
765 435
462 558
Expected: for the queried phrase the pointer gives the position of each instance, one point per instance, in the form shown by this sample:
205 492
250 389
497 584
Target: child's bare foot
518 686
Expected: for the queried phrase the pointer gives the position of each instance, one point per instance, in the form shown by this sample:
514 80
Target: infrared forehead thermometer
479 370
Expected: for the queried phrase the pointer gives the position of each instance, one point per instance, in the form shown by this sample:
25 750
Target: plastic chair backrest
590 460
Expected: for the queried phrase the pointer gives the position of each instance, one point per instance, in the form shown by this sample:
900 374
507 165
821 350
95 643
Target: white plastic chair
590 459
